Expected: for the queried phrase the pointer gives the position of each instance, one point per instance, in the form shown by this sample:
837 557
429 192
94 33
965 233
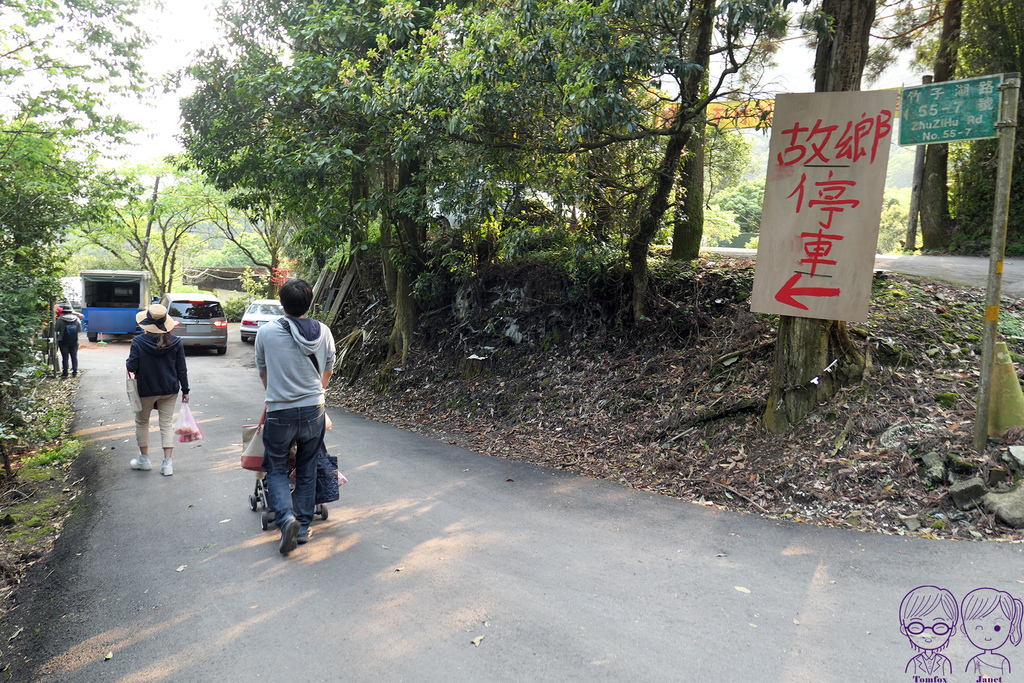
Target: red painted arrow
790 291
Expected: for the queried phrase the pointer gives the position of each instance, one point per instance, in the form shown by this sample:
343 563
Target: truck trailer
111 299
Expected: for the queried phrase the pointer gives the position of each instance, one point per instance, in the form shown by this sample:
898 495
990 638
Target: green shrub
234 306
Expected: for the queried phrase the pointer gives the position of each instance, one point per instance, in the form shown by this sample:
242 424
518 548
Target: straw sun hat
155 319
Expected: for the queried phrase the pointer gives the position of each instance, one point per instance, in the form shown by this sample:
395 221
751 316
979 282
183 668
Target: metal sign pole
1007 126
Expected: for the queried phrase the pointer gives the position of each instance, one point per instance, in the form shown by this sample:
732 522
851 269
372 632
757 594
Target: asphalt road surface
964 270
441 564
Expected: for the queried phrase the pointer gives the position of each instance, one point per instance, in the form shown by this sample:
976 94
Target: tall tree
565 78
302 110
270 228
62 65
935 219
806 346
992 43
123 219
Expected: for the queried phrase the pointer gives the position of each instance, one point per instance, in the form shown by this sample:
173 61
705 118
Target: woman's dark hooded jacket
159 371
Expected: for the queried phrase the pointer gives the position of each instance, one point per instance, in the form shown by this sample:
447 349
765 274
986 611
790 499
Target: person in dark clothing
157 358
66 329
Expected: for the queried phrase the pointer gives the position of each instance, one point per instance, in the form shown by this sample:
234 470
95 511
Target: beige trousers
165 405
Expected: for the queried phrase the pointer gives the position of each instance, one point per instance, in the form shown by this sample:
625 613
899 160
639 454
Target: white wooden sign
822 203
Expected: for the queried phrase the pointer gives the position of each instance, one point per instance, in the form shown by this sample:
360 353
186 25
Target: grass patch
37 500
61 454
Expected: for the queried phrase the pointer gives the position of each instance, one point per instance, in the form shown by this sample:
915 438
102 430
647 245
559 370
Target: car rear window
196 310
265 309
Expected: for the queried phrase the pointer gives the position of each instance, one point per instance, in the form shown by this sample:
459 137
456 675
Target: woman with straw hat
158 360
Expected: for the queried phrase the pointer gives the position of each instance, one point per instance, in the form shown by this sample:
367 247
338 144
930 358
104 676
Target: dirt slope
520 367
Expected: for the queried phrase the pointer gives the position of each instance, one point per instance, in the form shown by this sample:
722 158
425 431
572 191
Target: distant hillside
900 173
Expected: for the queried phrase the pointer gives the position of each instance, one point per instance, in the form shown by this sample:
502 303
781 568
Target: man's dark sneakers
303 536
288 535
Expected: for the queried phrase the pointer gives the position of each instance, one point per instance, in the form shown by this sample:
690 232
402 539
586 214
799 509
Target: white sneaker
165 468
141 463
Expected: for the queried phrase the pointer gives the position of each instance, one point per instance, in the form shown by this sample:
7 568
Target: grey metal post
51 346
915 193
1007 126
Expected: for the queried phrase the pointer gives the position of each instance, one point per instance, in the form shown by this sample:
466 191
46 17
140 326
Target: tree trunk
819 358
688 231
408 238
406 316
3 449
664 178
647 226
387 245
689 228
841 55
273 287
815 358
934 215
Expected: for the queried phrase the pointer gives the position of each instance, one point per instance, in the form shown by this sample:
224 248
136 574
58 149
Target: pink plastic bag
187 428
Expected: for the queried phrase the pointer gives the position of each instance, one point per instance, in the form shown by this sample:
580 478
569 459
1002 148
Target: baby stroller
327 481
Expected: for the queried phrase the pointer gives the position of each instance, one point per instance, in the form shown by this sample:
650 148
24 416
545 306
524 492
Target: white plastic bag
187 428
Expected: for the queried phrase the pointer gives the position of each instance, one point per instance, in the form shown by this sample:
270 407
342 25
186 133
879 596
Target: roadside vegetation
503 207
35 503
529 369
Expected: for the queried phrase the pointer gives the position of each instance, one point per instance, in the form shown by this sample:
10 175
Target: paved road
965 270
432 547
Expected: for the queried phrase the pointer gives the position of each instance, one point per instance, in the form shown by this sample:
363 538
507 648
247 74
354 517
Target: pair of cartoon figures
929 617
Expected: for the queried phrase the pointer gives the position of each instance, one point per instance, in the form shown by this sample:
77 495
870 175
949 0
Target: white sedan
259 313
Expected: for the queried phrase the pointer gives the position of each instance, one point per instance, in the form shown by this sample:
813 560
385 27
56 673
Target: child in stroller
327 481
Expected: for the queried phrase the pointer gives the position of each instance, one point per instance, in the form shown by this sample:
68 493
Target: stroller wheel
323 511
265 521
253 502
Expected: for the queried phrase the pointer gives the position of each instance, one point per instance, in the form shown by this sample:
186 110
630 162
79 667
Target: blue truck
111 299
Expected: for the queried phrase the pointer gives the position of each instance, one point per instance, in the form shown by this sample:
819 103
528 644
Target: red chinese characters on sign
850 145
825 169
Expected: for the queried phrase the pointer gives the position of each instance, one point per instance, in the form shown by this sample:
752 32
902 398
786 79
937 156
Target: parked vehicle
259 313
200 318
110 300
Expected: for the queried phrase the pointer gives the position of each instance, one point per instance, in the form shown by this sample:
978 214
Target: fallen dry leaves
673 405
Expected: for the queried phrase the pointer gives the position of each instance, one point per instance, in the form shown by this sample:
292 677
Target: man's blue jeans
304 427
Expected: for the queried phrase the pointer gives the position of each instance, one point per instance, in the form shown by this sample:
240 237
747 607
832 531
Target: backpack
67 327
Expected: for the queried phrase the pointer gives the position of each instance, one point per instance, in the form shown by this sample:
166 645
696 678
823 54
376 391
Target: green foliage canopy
62 65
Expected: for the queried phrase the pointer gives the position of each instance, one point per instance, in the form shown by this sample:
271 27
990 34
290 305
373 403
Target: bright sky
183 27
186 26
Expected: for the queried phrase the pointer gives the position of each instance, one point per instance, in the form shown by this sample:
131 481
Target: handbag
327 480
252 447
134 400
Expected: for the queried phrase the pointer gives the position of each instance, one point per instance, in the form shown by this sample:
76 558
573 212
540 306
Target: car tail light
220 323
248 322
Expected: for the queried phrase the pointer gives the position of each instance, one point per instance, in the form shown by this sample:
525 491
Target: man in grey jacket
295 358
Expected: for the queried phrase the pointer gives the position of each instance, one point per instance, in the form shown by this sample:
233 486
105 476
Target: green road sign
949 111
